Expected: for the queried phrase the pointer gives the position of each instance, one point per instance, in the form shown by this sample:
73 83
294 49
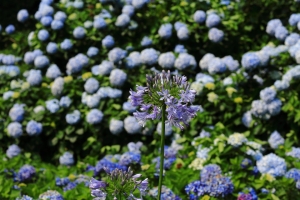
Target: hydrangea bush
81 120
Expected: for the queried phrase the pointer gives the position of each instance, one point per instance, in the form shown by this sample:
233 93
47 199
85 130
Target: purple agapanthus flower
162 90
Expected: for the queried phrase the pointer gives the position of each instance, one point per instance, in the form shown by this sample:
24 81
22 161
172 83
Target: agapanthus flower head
163 91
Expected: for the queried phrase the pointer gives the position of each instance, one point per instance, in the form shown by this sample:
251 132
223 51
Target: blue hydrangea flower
272 164
53 72
14 129
13 150
91 101
293 173
281 33
16 113
166 193
108 42
66 44
78 4
52 48
10 29
76 63
204 78
51 194
149 56
206 59
165 31
178 25
146 41
65 102
116 55
281 85
46 10
88 24
216 65
41 61
215 35
38 15
180 49
95 116
34 128
133 60
272 25
295 153
46 20
267 94
29 57
66 159
22 15
73 118
99 23
138 3
294 19
57 25
183 33
7 95
91 85
38 109
130 158
264 58
230 63
34 77
274 107
117 77
275 140
184 61
250 61
60 16
92 51
116 126
43 35
292 39
8 59
199 16
105 67
227 81
79 32
247 119
128 107
131 125
212 20
167 60
108 92
57 86
258 108
168 129
52 105
122 20
25 173
128 9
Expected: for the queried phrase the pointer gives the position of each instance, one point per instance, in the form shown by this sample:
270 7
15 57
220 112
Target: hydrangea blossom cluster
166 193
272 164
275 140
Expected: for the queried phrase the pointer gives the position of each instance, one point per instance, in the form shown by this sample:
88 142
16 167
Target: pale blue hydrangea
13 150
88 24
122 20
58 86
183 33
66 159
215 35
14 129
128 107
108 42
8 59
267 94
202 152
146 41
46 10
149 56
204 78
29 57
184 61
178 25
230 63
7 95
91 85
99 23
95 116
34 128
133 60
281 33
46 20
61 16
274 107
275 140
51 194
258 108
116 126
281 85
41 61
295 153
250 61
116 55
117 77
272 25
43 35
204 133
10 29
216 65
92 51
258 79
91 101
104 14
108 92
236 139
131 125
52 105
79 32
128 9
65 101
138 3
292 39
180 49
272 164
168 129
227 81
212 20
167 60
53 72
199 16
165 31
52 48
16 113
205 60
66 44
256 155
73 118
38 15
22 15
34 77
264 58
78 4
76 63
105 67
57 25
294 19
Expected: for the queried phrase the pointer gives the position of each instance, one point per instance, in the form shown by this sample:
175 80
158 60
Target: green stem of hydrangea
162 148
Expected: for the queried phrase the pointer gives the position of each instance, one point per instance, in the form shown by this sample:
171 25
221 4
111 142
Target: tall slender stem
162 148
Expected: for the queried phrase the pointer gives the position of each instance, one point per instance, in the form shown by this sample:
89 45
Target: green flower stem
162 148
